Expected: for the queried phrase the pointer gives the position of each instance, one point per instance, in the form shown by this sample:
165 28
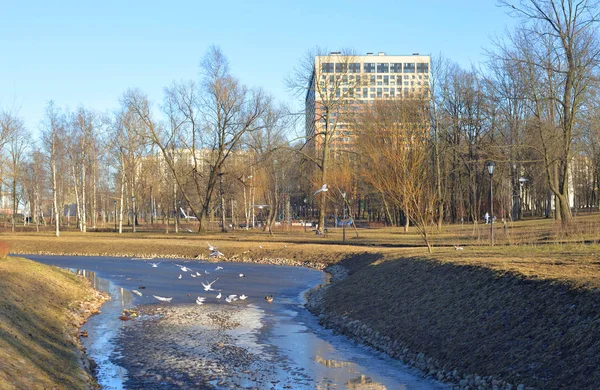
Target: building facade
340 85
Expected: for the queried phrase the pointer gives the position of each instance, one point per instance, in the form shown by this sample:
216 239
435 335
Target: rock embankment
469 326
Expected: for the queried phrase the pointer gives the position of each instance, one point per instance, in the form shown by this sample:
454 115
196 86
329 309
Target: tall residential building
341 84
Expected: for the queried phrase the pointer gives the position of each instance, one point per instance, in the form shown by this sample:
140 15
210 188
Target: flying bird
206 272
219 296
243 297
164 299
200 300
231 298
136 292
218 268
184 268
208 286
322 189
154 265
180 276
210 247
216 254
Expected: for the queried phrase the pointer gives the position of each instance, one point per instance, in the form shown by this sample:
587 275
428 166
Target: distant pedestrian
487 218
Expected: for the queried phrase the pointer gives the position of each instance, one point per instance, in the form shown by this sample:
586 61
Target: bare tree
559 46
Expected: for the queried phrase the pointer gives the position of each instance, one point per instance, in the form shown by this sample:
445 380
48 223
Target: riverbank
41 311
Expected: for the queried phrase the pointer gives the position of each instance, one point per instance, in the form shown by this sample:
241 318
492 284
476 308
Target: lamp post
522 180
305 214
115 204
344 218
491 166
133 214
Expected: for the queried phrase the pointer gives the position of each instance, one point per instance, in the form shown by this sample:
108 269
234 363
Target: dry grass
37 349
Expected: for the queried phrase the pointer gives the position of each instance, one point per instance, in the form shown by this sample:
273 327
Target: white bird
216 254
242 276
260 246
219 296
210 247
231 298
322 189
184 268
206 272
198 273
163 298
458 248
189 230
136 292
218 268
180 276
193 275
243 297
208 286
154 265
200 300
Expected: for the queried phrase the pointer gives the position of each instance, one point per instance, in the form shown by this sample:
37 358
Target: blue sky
88 53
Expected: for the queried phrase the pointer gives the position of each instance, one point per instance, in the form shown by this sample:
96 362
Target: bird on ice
242 276
231 298
243 297
322 189
208 286
164 299
193 275
180 276
219 296
200 300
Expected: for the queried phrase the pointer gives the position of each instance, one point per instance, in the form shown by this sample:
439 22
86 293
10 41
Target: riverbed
248 343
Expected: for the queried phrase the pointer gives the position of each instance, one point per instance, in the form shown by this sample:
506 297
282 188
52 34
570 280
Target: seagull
136 292
218 268
184 268
210 247
243 297
242 276
458 248
322 189
154 265
198 273
269 298
200 300
216 253
189 230
208 286
193 275
180 276
206 272
163 298
219 296
231 298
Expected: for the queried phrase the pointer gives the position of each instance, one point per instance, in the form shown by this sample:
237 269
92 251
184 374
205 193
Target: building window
341 67
386 80
354 67
396 68
327 67
383 68
372 80
369 67
422 68
409 68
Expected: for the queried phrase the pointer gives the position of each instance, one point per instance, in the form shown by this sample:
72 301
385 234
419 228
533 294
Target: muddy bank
469 326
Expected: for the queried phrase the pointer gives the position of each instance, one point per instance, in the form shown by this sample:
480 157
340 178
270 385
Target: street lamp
133 216
491 166
344 218
305 214
115 204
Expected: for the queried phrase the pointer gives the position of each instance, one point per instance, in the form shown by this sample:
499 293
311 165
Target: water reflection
365 383
102 331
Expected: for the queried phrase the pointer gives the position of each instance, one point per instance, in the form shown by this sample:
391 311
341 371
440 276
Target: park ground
523 311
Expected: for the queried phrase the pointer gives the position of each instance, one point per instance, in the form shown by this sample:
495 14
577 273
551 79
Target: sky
88 53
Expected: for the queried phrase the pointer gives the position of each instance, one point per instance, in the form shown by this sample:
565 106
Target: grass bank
41 309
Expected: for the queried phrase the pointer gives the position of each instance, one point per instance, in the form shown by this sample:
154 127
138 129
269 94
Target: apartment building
341 84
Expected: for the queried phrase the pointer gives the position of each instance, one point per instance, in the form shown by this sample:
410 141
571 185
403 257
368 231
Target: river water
295 351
